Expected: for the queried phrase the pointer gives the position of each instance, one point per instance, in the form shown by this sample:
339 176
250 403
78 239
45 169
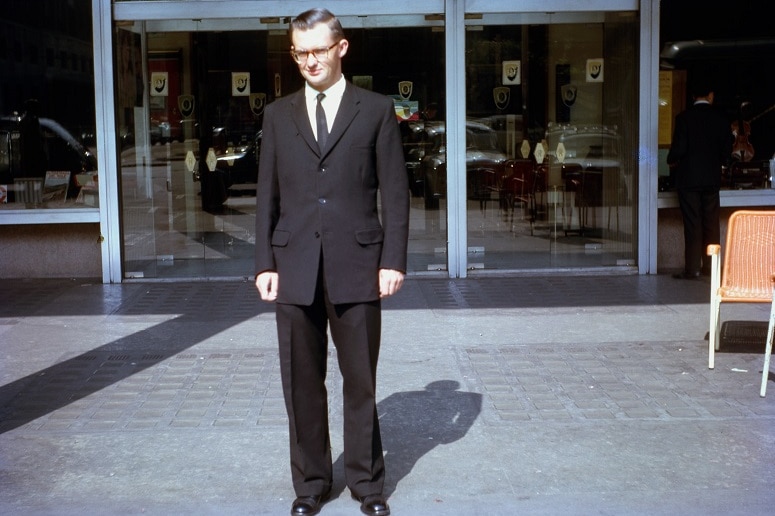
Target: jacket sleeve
679 145
267 195
394 190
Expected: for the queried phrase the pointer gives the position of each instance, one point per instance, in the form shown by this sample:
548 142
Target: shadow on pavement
195 314
413 423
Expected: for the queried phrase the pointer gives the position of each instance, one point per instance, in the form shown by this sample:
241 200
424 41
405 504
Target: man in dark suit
702 142
327 255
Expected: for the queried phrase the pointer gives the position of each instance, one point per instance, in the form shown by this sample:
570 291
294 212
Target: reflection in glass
190 143
560 193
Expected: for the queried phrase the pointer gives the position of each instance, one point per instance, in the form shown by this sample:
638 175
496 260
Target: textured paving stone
654 381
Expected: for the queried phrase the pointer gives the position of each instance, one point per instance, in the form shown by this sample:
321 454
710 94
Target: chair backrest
749 257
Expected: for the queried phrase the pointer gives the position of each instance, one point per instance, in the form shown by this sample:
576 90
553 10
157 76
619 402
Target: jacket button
317 234
322 200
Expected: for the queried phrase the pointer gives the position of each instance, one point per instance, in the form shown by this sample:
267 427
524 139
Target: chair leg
713 333
768 348
715 306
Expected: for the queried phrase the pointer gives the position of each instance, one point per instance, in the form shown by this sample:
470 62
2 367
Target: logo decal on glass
240 84
539 153
501 95
159 86
524 150
595 70
257 103
568 92
560 152
405 89
512 74
186 105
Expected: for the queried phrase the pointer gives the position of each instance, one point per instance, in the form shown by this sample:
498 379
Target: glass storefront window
540 170
551 134
189 113
47 148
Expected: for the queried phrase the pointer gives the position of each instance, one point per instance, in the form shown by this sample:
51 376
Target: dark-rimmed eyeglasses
301 56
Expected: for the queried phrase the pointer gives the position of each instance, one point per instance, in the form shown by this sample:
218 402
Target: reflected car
587 168
236 164
239 161
506 127
159 132
485 164
61 150
162 131
590 150
418 137
588 145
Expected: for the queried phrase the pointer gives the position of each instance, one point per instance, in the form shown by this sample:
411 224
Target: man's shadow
413 423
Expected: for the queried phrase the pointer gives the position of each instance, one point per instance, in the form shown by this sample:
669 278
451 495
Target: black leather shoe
307 505
373 505
686 275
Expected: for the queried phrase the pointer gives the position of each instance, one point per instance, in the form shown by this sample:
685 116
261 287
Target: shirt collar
336 90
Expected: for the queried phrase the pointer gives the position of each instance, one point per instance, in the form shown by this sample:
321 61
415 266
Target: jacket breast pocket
368 148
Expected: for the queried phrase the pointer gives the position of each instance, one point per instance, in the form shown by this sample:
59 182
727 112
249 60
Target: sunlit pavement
498 396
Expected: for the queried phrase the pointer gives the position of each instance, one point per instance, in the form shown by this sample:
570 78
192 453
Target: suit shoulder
371 96
282 102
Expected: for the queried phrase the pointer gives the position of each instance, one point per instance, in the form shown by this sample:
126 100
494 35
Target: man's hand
267 283
390 282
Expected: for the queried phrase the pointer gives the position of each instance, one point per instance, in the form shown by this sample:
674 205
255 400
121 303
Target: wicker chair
748 268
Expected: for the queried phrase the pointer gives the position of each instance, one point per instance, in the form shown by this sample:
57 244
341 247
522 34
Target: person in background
33 160
701 146
430 112
327 257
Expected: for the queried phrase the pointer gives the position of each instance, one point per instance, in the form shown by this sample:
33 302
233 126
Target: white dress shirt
330 103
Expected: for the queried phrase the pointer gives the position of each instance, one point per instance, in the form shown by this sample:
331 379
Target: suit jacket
308 202
702 143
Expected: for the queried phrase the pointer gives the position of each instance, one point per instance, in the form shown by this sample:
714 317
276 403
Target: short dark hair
32 106
312 17
701 90
701 82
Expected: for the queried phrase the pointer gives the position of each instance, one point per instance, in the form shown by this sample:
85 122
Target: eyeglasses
301 56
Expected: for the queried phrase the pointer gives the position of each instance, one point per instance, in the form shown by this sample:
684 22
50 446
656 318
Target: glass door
551 140
189 113
189 130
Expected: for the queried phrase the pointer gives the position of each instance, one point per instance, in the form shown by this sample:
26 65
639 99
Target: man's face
319 73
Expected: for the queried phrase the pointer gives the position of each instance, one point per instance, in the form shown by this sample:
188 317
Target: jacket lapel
301 119
348 109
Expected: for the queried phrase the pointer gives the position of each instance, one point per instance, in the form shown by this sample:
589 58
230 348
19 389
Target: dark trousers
303 339
700 213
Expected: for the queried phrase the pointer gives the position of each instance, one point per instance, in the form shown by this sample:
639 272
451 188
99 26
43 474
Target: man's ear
343 46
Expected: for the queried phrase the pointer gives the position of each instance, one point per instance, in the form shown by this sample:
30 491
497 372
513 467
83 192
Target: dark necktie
320 118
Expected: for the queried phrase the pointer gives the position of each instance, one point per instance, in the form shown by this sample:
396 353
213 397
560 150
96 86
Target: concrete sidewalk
498 396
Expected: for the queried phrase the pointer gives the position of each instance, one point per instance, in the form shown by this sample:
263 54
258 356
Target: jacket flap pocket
369 236
280 238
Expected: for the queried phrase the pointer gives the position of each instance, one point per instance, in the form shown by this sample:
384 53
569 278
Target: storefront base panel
50 251
670 234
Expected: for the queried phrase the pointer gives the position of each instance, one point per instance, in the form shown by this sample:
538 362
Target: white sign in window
512 73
